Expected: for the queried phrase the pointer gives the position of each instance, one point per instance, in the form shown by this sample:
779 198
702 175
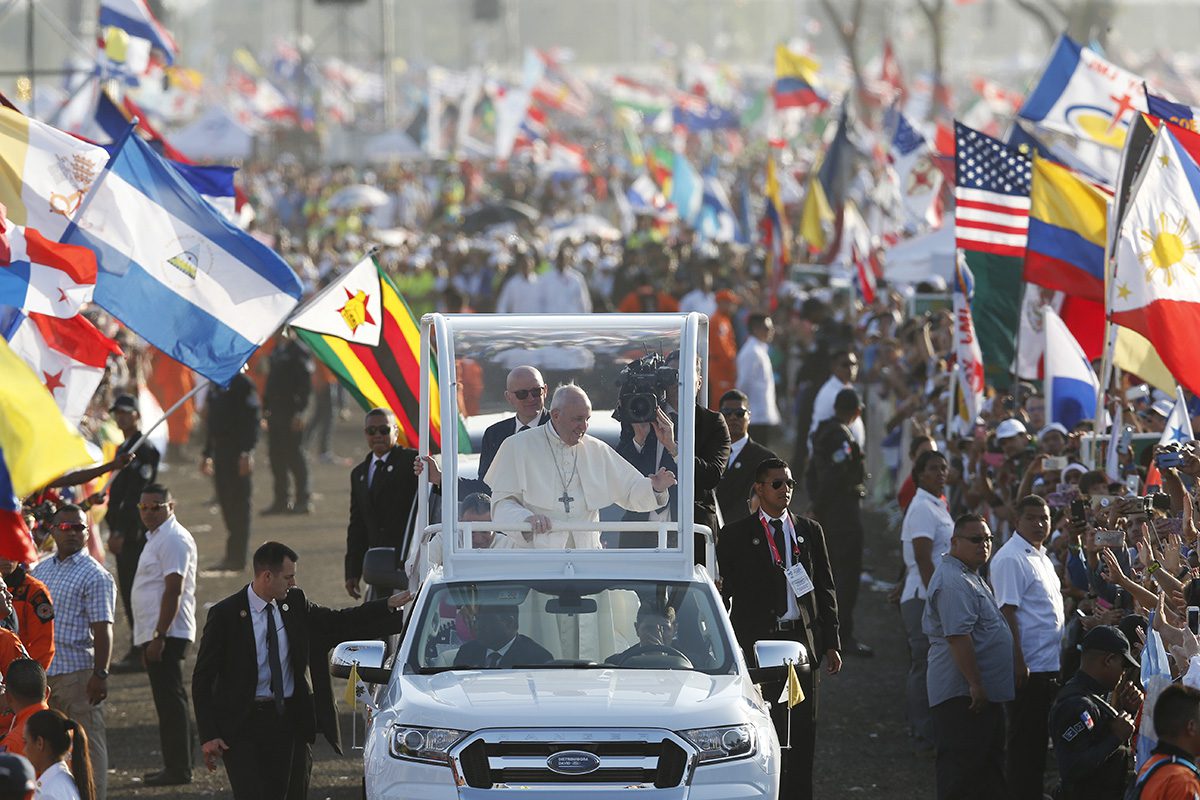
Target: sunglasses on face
536 391
78 527
380 430
735 412
778 484
977 539
152 506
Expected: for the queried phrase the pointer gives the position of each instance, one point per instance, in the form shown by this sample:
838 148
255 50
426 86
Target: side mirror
773 656
382 570
369 657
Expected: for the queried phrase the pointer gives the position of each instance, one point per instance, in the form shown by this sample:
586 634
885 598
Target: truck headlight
722 744
431 745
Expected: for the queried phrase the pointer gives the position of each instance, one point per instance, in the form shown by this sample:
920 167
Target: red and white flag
43 276
68 355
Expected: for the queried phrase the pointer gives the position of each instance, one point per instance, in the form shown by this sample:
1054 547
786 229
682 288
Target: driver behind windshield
497 643
655 629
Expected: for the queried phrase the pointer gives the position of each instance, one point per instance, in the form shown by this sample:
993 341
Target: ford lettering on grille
573 762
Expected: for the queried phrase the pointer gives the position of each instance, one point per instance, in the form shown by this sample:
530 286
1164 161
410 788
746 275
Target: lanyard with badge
797 577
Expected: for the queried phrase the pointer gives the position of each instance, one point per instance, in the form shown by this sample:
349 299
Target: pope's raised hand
662 480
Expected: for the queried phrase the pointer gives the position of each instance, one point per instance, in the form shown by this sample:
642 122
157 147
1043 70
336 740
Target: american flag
991 194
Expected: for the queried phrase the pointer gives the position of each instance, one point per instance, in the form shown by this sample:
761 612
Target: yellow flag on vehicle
792 692
352 686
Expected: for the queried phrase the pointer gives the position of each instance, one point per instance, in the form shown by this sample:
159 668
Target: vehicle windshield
581 624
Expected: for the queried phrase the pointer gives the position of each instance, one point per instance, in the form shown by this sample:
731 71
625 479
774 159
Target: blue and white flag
1084 96
176 272
716 221
1071 384
687 189
135 18
917 176
1178 429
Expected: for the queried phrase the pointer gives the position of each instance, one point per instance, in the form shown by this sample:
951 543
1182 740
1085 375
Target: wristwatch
156 635
102 674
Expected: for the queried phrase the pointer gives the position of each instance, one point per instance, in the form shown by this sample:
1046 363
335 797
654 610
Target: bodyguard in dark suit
640 446
745 454
261 686
525 391
383 489
233 416
497 643
754 554
285 400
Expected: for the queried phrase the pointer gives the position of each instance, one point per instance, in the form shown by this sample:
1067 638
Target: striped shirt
84 593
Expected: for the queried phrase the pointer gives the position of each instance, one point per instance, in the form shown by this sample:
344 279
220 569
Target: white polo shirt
1023 576
169 550
927 518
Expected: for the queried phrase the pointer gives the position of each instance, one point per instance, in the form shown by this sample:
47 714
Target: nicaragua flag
178 274
1071 384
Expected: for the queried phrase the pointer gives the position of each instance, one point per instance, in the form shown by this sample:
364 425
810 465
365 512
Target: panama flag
1156 288
176 272
1178 430
44 173
68 355
1071 384
43 276
1084 96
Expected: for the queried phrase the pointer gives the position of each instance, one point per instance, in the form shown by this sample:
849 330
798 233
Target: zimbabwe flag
360 327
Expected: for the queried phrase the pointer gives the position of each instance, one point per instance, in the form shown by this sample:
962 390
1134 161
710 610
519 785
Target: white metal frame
661 561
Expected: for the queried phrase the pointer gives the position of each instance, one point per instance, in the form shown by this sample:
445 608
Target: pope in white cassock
557 473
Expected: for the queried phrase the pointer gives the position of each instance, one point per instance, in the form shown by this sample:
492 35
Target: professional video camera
644 385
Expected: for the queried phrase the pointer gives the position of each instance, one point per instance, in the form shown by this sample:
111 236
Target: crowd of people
844 404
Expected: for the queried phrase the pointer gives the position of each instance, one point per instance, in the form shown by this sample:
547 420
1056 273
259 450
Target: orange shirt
1170 782
35 618
10 649
14 740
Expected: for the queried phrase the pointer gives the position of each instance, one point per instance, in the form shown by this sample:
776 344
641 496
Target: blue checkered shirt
84 593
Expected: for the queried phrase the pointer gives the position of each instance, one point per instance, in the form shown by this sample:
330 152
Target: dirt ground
862 747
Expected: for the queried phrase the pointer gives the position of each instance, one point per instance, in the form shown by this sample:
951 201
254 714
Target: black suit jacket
493 437
523 651
712 451
734 489
379 513
226 673
757 589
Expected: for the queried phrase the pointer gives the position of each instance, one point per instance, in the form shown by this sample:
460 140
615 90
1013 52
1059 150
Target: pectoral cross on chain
566 500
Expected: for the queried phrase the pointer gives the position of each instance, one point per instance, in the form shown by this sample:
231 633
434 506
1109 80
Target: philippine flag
176 272
1071 384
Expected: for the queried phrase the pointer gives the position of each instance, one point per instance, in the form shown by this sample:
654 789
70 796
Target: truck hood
475 699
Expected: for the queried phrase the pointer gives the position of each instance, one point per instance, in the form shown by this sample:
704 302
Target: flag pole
1110 331
87 200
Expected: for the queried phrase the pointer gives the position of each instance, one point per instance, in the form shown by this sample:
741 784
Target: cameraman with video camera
648 412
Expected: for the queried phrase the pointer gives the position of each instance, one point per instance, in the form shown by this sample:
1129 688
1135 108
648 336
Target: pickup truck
591 673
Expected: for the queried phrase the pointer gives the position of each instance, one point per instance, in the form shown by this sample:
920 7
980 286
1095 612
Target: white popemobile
536 672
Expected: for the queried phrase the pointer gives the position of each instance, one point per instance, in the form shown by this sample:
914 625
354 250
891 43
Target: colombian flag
795 80
1067 230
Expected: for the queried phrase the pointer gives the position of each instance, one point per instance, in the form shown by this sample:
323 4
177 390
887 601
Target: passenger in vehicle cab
474 508
525 391
497 642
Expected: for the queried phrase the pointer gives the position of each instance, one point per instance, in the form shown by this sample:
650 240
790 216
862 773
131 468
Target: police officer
233 415
285 399
126 537
836 483
1091 737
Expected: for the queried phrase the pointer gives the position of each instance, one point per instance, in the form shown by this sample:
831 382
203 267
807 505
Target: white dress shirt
789 544
823 410
377 463
927 518
170 550
563 292
1023 576
258 616
519 295
56 783
756 378
736 448
698 300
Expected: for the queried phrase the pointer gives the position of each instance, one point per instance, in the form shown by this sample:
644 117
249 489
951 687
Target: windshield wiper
561 665
434 670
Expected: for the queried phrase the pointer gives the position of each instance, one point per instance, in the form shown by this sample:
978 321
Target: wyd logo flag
1089 99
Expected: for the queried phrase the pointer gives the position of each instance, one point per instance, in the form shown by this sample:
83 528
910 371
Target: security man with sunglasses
383 489
776 576
525 391
836 484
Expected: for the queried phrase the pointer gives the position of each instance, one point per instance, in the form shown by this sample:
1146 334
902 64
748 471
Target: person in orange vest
1171 772
722 349
33 610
